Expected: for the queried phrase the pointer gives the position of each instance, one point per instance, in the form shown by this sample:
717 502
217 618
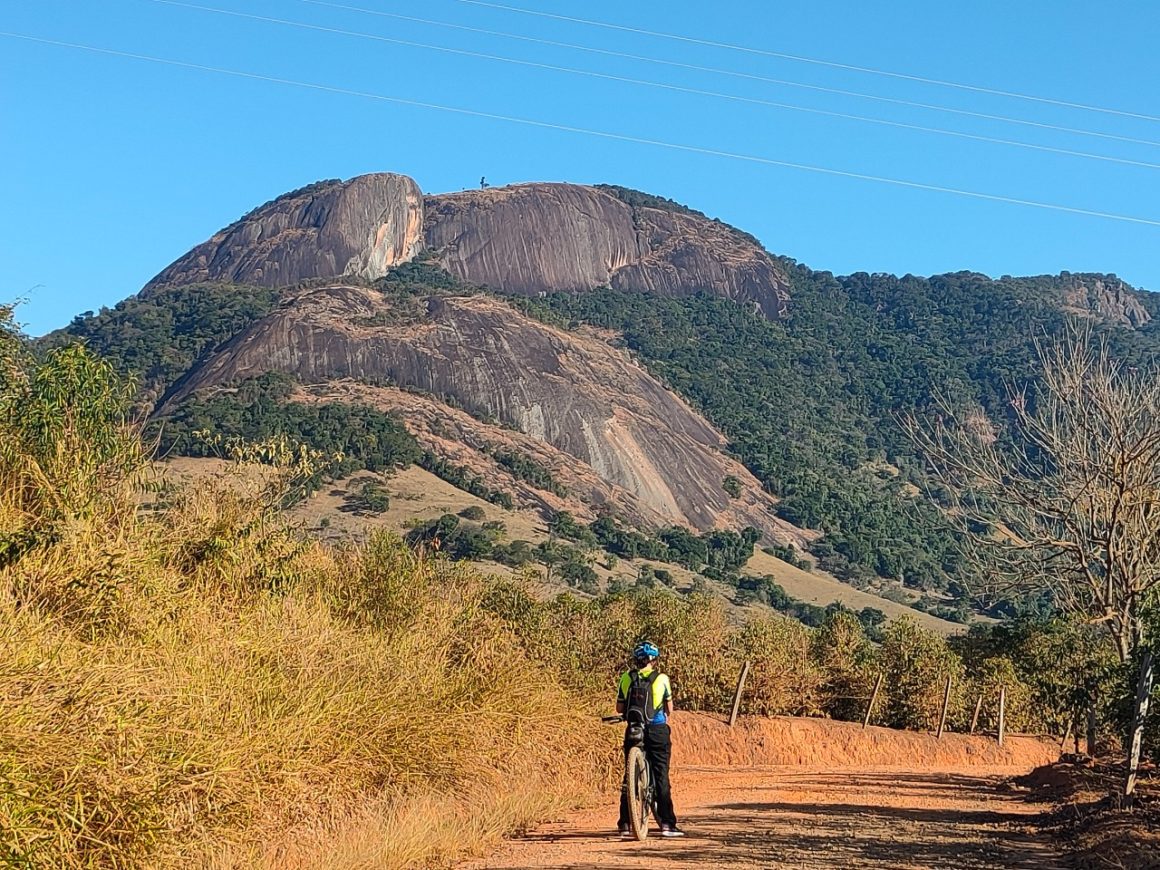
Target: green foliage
464 479
159 334
67 446
565 526
515 554
810 403
457 539
784 679
1066 666
371 498
846 659
359 436
916 663
721 551
638 198
789 555
571 564
420 277
473 512
525 468
732 486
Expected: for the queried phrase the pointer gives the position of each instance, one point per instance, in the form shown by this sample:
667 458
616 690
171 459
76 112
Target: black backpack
639 697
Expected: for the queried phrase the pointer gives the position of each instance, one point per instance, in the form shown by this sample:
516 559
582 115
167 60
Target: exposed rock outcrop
1104 298
529 239
576 395
362 227
533 238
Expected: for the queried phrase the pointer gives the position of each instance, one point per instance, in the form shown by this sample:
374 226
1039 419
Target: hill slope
367 293
573 404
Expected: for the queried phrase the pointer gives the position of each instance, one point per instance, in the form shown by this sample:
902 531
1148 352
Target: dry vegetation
207 688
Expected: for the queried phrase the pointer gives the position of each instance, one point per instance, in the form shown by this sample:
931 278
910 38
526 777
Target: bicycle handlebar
611 718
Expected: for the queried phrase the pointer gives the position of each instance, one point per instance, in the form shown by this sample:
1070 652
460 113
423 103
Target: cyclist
644 688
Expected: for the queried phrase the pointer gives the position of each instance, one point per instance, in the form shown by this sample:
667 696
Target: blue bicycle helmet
646 649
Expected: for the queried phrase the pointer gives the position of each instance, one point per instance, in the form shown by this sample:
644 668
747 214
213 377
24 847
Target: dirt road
807 818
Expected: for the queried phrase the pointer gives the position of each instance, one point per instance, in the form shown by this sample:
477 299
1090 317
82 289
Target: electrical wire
661 85
813 60
624 55
602 134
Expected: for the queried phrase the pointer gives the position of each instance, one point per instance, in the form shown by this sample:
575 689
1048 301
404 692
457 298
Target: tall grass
197 684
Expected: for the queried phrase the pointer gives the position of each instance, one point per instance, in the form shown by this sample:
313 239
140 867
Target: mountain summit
525 239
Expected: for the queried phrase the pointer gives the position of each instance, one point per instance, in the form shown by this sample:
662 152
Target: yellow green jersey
661 692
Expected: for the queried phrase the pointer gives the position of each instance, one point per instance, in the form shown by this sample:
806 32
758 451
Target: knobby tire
636 771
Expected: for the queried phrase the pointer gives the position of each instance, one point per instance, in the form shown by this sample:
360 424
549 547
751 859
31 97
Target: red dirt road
783 817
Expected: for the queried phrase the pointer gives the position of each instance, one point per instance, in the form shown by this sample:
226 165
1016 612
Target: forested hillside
811 403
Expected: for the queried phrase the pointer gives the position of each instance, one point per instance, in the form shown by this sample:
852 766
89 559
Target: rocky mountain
572 403
362 227
595 349
528 239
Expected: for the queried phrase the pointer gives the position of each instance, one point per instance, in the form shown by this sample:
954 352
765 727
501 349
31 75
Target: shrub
846 661
370 499
732 486
783 679
916 663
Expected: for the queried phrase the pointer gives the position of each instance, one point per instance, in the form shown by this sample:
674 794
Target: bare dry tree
1070 501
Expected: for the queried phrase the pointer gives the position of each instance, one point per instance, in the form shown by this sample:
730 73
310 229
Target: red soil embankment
703 740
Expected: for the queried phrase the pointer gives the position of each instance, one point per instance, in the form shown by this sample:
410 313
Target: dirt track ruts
807 818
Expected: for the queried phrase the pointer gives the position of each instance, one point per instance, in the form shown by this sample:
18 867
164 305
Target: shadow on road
847 821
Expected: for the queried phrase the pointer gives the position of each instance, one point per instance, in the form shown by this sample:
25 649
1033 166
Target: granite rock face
534 238
1105 298
362 227
530 238
573 393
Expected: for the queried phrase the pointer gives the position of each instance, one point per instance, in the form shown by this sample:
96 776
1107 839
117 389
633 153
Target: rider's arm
620 707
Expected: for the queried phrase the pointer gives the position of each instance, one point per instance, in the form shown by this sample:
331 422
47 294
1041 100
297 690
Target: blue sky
113 167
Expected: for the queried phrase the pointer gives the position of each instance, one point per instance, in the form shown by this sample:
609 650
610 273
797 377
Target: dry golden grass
229 694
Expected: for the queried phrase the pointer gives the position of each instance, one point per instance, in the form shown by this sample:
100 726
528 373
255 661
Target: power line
813 60
602 134
661 85
914 104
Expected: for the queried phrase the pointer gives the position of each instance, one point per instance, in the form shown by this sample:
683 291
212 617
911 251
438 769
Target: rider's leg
659 746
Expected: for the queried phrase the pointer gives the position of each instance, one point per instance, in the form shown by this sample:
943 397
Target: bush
916 663
473 512
847 664
371 498
783 679
197 679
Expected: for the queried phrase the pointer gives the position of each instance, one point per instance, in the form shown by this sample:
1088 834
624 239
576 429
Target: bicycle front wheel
636 770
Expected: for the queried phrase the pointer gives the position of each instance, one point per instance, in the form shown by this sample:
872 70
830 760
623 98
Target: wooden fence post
873 698
1002 712
1066 735
737 695
942 722
1092 739
978 709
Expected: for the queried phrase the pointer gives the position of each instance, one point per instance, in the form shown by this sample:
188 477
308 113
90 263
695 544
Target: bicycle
638 779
